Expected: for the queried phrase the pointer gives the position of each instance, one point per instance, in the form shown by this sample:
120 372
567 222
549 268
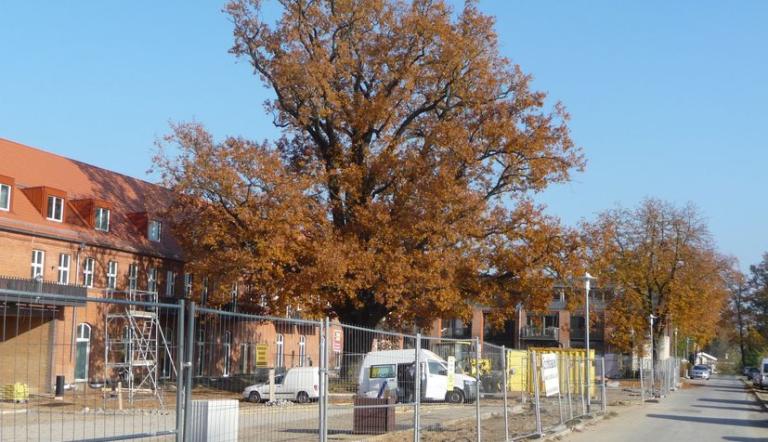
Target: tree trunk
357 343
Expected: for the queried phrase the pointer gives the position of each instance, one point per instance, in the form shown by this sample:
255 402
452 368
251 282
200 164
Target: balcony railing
25 290
534 332
595 334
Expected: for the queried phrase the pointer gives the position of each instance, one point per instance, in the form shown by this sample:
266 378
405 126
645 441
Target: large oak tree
400 189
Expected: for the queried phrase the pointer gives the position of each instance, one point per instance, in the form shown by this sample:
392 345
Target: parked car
395 370
750 371
298 384
701 372
760 377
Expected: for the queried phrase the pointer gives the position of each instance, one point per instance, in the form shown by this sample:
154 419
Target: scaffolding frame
135 352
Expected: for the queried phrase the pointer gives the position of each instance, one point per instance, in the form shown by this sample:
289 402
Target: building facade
560 326
71 230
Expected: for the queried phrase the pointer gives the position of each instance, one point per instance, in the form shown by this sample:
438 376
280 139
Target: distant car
749 372
297 384
701 372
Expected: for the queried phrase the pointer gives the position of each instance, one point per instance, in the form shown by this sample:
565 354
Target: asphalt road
720 409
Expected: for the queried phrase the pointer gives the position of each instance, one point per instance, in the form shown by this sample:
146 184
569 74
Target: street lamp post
587 281
653 362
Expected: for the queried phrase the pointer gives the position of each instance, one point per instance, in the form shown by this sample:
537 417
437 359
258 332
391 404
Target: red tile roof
30 168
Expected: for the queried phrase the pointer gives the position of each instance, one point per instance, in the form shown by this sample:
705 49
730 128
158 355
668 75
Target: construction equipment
135 344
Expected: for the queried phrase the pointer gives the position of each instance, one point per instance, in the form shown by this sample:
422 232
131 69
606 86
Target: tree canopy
400 187
663 262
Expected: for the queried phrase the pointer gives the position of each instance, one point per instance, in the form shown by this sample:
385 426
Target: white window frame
65 260
38 263
81 337
187 285
226 341
167 367
99 221
51 208
88 266
152 280
302 350
112 275
158 230
7 208
127 344
133 276
245 350
200 355
279 350
204 292
170 283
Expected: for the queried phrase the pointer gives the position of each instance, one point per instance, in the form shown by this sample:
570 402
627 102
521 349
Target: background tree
663 262
754 311
399 190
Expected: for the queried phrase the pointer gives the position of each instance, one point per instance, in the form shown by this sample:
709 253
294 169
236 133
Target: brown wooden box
374 420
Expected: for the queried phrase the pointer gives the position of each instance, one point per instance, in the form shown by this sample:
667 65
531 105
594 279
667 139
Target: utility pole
740 319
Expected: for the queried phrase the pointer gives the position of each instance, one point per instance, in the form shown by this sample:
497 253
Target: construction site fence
125 366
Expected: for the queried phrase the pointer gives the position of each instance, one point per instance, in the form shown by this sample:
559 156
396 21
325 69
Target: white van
394 370
760 379
298 384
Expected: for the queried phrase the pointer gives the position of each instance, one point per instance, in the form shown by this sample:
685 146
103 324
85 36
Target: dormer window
154 229
102 219
55 208
5 197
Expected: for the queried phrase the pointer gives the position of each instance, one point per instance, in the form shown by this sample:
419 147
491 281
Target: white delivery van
394 370
298 384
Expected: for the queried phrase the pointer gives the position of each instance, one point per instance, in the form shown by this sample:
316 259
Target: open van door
436 380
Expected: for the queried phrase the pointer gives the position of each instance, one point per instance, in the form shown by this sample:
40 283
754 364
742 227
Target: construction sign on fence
549 374
261 355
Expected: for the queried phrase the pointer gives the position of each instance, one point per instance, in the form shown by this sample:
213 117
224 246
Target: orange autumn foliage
662 261
399 190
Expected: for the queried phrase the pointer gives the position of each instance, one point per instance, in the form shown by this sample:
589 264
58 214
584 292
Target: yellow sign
261 355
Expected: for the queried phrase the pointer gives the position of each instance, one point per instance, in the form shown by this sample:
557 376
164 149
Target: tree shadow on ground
714 420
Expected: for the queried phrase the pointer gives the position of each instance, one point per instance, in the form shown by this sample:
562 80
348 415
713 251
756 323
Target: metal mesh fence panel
448 401
75 368
372 382
260 373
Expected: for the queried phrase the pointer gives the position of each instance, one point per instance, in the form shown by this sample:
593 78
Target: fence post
417 391
505 371
327 381
559 390
605 395
322 381
568 386
180 371
188 369
581 388
477 387
534 364
642 384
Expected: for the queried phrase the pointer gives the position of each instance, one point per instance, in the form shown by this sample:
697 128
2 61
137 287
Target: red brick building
71 229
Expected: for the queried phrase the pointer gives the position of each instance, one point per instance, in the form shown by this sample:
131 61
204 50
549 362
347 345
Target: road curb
574 427
753 390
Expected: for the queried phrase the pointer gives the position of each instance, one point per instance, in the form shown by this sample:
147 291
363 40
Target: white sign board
549 374
451 372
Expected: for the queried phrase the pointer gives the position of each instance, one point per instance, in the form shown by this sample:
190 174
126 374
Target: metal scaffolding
134 344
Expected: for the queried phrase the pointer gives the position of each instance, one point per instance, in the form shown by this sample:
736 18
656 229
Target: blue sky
668 99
